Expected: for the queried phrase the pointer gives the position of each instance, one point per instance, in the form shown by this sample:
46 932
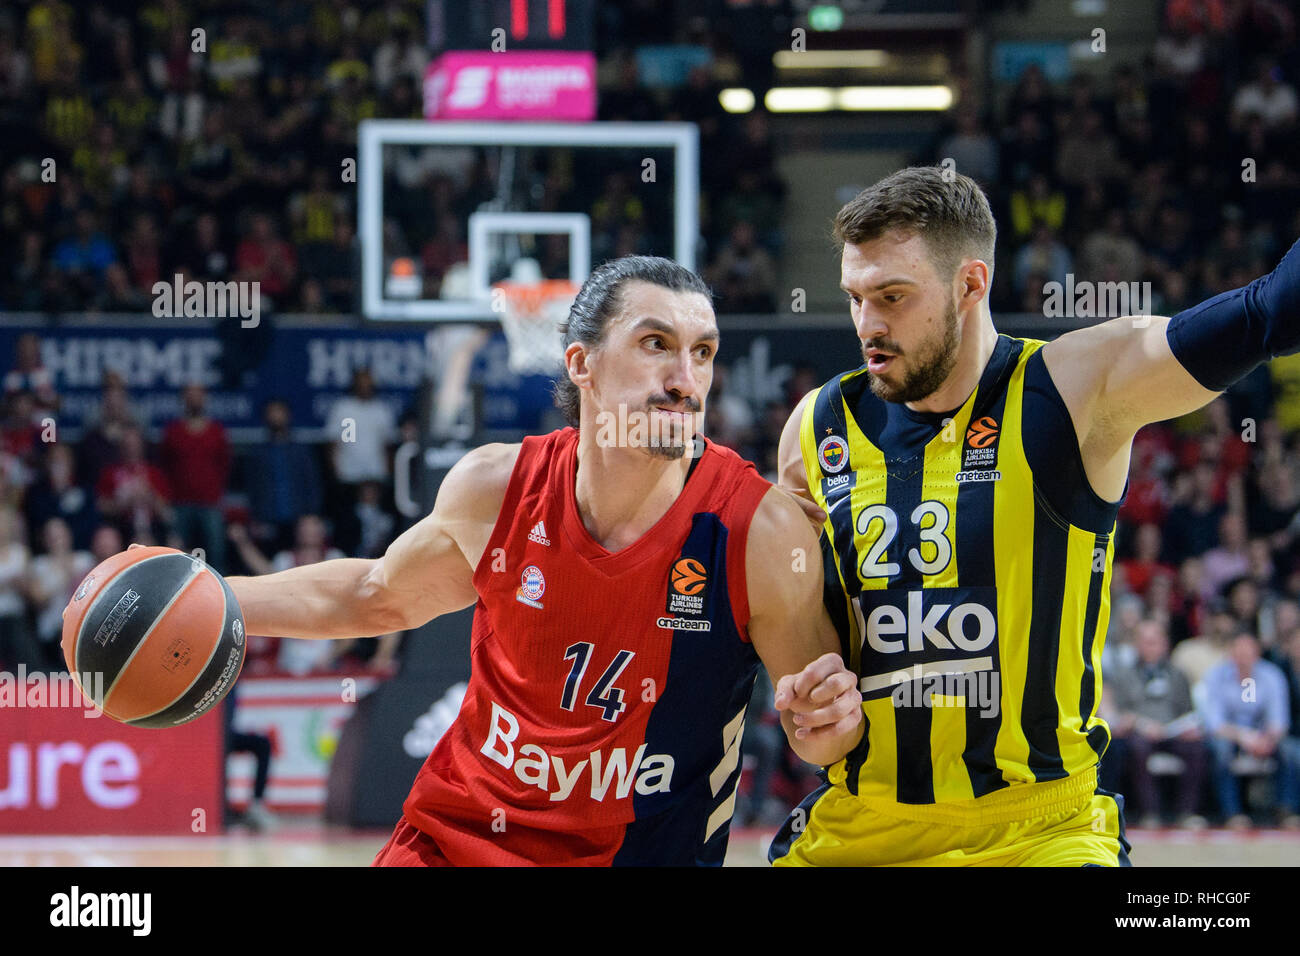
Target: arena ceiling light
829 59
894 97
737 100
799 99
820 99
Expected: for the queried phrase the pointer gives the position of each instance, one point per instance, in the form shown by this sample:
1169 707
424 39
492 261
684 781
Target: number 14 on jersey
604 695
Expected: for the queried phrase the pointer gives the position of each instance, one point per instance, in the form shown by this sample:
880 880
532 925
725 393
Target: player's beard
924 374
671 441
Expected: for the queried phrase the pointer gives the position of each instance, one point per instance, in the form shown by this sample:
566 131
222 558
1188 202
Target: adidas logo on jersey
538 534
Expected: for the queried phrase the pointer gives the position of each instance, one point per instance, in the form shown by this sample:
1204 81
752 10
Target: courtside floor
305 843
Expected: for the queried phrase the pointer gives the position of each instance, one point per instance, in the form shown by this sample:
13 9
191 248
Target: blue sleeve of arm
1221 340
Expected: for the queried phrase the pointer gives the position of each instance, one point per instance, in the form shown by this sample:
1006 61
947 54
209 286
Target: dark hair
601 297
948 210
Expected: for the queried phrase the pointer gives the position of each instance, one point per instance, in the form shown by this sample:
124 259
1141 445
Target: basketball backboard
445 208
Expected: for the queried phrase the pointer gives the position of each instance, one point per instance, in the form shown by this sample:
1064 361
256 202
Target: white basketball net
531 315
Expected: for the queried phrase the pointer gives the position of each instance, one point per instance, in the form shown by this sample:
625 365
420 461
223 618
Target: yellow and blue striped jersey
968 567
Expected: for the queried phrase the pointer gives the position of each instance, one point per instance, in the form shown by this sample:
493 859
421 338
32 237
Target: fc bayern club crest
532 585
833 453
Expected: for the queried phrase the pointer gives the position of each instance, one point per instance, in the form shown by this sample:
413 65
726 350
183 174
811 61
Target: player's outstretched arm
1117 376
821 708
427 571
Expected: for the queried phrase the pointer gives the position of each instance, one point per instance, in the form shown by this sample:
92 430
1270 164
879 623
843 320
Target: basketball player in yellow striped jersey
969 483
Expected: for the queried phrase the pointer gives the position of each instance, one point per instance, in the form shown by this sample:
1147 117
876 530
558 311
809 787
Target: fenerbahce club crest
832 454
688 585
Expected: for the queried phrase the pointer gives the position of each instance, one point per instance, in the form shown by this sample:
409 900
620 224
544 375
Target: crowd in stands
1178 170
134 156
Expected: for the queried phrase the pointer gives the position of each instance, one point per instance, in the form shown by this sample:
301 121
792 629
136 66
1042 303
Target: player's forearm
1221 340
821 749
331 599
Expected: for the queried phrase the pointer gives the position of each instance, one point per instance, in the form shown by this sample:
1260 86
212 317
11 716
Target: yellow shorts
1067 822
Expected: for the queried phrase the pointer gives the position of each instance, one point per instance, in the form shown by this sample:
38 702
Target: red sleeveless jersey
603 717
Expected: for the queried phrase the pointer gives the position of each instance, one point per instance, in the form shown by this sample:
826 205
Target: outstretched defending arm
1117 376
426 572
821 708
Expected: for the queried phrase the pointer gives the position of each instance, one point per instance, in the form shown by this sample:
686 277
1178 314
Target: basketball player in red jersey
628 577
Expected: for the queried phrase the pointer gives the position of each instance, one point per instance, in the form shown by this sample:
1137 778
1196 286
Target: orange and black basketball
162 628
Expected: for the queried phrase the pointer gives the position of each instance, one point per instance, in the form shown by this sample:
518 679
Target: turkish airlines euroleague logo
979 460
689 576
687 593
982 433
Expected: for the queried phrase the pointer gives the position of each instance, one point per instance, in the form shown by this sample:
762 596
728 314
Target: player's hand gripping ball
162 629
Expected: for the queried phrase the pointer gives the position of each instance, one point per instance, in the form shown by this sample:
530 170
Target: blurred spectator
20 435
729 420
282 478
1110 254
29 373
365 429
27 283
102 444
134 493
1269 97
195 454
15 68
213 167
1027 149
1186 607
1033 203
972 149
82 259
1032 96
1192 526
1229 560
53 575
316 212
1145 563
1153 713
56 493
142 255
1088 153
256 814
1044 256
374 522
1247 714
1200 654
401 54
617 206
201 253
105 542
266 258
16 645
743 275
1242 601
1276 502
